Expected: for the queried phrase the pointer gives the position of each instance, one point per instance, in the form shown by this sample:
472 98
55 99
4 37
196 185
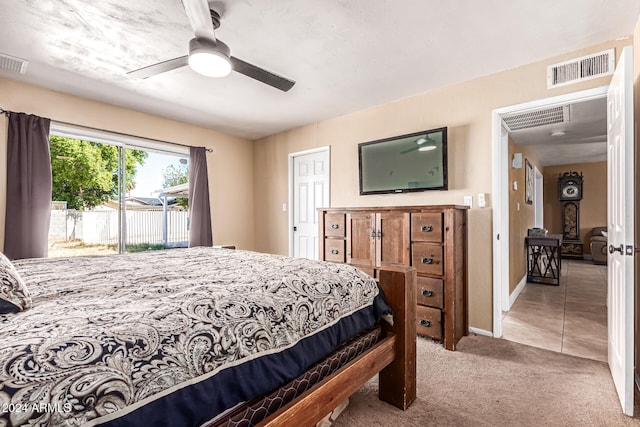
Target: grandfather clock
570 193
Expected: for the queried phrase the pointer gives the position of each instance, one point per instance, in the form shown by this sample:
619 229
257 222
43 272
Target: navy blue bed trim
200 402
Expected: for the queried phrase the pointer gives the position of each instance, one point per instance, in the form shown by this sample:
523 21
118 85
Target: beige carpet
492 382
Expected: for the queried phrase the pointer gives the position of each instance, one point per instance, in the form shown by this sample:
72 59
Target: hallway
570 318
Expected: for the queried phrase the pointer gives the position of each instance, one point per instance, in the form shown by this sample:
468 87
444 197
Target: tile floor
570 318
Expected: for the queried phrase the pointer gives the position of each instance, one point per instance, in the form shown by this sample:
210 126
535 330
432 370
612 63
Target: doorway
573 141
309 190
538 198
620 215
500 187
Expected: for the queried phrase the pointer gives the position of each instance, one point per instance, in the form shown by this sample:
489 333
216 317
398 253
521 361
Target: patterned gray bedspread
110 332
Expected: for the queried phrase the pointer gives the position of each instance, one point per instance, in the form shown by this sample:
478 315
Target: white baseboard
516 292
479 331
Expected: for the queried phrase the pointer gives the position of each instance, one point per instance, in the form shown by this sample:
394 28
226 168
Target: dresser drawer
334 225
429 322
430 291
426 227
369 270
334 250
427 258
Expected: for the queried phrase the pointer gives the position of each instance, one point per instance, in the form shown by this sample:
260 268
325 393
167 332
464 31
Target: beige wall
593 206
464 108
230 165
521 214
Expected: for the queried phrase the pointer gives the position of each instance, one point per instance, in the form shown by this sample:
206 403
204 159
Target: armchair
598 245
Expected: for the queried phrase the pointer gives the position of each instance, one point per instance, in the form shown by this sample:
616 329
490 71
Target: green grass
141 247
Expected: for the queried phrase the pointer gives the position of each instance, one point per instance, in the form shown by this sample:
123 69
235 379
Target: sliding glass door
110 198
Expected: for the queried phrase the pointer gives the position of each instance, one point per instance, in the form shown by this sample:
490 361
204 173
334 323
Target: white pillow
14 295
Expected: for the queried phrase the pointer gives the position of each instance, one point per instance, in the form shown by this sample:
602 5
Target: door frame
500 192
291 157
538 198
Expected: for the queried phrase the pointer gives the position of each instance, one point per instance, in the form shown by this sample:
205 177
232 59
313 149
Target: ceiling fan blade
199 17
410 149
261 75
160 67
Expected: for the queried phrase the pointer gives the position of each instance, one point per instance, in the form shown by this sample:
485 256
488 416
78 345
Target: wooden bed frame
393 358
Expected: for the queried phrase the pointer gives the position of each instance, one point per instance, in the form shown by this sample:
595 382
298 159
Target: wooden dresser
433 239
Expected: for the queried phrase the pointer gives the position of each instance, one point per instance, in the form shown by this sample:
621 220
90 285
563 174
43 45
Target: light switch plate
468 201
517 161
482 202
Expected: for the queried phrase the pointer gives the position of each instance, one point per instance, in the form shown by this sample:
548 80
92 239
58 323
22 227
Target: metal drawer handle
427 260
335 226
426 228
334 251
427 293
425 322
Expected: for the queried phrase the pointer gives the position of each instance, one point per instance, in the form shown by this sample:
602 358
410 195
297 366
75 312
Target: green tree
85 174
175 175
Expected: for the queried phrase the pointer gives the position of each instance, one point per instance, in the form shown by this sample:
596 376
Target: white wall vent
534 118
581 69
12 64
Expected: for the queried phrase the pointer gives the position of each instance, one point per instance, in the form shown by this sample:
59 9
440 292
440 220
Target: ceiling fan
209 56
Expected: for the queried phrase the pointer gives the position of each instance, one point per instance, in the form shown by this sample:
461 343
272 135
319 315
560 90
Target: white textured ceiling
345 55
582 138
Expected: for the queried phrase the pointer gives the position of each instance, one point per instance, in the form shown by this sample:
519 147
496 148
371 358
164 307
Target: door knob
613 249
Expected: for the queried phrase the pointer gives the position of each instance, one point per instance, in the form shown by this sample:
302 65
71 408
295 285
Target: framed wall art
528 183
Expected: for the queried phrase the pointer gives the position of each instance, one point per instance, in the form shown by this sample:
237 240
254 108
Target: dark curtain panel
199 209
28 187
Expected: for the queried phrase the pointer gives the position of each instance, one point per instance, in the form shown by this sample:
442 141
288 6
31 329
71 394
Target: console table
543 259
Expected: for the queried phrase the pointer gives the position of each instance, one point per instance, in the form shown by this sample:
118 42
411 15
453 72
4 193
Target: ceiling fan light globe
427 148
210 64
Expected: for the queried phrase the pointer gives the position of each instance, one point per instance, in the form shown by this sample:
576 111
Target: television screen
414 162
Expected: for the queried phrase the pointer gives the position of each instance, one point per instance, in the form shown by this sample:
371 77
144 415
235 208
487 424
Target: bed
192 336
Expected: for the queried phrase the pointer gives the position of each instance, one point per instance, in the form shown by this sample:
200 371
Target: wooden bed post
397 382
393 357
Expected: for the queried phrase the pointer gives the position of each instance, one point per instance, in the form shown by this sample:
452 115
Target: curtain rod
210 150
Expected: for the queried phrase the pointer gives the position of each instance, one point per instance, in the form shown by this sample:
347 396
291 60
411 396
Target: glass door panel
84 215
156 201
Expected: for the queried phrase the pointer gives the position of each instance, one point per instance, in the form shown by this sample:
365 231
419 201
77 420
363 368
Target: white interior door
620 216
310 192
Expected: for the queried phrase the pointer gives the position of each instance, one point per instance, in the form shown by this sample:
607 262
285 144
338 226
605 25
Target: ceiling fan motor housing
204 45
210 58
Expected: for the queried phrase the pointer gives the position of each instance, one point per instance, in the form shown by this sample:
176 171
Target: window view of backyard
100 207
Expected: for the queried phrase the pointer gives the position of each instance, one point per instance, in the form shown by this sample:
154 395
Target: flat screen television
413 162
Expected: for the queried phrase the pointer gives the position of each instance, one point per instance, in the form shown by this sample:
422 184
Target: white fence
101 226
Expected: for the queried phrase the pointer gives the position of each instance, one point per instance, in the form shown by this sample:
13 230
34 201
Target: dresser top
424 208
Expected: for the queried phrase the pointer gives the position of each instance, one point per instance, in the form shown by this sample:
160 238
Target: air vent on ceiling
534 118
581 69
12 64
